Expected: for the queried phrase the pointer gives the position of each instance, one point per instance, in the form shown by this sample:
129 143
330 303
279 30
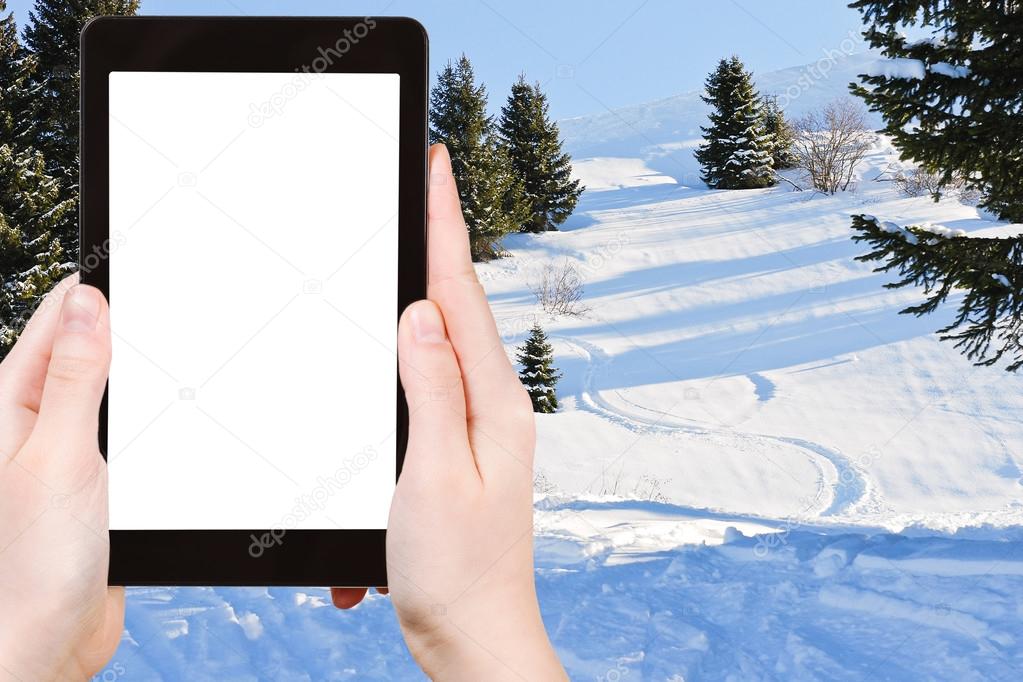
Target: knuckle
77 368
459 281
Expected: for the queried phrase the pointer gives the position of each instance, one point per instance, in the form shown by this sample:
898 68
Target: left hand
58 618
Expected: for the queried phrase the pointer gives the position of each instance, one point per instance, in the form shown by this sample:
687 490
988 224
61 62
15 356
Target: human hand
59 620
460 533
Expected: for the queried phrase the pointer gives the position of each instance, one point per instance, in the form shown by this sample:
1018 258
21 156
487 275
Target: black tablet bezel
254 44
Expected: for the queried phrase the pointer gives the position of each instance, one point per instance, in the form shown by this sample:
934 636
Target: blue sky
591 54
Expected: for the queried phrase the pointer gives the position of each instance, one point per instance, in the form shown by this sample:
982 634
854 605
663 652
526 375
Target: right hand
460 534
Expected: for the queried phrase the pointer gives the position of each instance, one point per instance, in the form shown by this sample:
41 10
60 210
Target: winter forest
772 331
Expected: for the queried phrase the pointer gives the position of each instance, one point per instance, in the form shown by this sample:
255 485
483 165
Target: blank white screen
253 289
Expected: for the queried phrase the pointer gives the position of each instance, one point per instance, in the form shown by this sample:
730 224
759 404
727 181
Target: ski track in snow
841 485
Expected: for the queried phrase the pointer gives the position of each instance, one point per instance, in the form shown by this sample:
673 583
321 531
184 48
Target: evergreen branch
988 325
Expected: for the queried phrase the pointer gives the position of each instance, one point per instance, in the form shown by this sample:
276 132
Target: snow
759 470
950 70
615 173
899 67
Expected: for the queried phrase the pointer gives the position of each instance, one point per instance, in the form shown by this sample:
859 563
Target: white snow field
759 471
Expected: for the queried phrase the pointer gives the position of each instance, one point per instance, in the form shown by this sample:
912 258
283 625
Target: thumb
433 389
77 373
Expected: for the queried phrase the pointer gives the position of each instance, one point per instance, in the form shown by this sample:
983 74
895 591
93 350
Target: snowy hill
736 351
760 470
663 133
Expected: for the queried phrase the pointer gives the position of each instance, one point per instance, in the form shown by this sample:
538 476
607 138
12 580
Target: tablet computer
254 207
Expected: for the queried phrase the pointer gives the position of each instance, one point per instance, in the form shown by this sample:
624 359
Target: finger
23 372
448 241
76 375
347 597
491 384
438 440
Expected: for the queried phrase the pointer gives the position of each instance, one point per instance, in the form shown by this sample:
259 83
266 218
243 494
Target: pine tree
989 323
736 153
782 154
952 102
32 259
491 197
533 144
52 37
538 374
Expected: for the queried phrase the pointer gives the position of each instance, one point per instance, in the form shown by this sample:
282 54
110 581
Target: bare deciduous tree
560 290
830 142
921 182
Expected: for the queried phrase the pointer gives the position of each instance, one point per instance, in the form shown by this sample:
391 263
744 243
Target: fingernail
81 309
427 324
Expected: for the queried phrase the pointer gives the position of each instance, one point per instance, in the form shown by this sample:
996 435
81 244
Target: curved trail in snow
841 484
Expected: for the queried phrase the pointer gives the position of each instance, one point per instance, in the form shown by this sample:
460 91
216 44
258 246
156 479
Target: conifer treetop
533 144
737 148
538 374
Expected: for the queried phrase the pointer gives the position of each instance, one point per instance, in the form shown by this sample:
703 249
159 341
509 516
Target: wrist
456 646
15 667
39 645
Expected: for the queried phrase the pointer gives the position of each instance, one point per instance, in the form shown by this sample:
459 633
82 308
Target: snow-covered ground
734 351
760 471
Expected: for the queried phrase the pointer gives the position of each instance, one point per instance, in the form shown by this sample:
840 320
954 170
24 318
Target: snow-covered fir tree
988 325
782 136
32 259
538 374
533 145
737 148
953 103
491 196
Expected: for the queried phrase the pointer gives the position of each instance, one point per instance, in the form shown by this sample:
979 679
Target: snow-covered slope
735 351
760 471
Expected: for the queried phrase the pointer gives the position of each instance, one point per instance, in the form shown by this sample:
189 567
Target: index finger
492 388
448 242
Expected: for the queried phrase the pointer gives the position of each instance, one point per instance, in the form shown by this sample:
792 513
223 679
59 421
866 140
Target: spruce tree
490 195
782 153
32 259
15 68
533 145
538 374
988 325
951 103
736 153
52 38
